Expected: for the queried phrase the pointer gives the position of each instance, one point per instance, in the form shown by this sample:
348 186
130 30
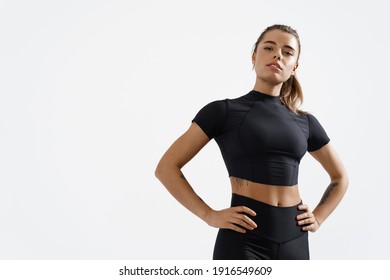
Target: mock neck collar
265 97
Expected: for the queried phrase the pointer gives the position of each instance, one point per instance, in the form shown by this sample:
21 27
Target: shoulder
312 121
214 109
218 105
306 119
212 117
223 105
215 113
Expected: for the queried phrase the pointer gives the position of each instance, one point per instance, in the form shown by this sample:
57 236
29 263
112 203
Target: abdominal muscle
281 196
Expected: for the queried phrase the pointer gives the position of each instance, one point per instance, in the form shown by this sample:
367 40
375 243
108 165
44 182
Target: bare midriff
281 196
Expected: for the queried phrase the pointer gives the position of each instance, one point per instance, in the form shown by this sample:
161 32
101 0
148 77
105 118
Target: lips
275 66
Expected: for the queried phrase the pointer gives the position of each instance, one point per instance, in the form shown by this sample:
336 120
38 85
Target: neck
267 88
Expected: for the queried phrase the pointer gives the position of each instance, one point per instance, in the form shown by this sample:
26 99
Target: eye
289 53
268 48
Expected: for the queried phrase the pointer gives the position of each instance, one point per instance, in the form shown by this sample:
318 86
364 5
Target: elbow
346 182
345 179
158 172
342 180
163 169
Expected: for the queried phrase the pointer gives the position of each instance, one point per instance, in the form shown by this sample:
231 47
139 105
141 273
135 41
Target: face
276 57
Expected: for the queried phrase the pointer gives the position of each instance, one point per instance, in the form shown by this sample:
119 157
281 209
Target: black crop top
260 139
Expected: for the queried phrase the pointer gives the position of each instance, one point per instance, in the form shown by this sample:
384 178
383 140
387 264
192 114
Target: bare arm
168 171
333 194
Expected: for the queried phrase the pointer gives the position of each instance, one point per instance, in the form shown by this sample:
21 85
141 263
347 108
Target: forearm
175 182
331 198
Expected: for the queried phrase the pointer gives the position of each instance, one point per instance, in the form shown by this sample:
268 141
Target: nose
278 55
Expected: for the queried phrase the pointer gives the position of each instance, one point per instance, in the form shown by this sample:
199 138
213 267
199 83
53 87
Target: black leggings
277 236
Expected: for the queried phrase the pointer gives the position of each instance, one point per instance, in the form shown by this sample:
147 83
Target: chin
271 79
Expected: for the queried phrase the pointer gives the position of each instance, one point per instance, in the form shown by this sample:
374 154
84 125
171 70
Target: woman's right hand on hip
234 218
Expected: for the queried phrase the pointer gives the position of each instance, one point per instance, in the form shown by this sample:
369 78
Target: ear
295 69
253 58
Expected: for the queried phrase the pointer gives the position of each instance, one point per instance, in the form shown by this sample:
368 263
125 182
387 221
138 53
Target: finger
305 228
303 207
236 228
246 210
306 221
248 220
242 223
312 227
304 216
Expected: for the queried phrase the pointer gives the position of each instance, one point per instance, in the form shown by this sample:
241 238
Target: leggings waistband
275 223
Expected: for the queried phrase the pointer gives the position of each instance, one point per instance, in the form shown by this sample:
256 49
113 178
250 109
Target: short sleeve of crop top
317 135
211 118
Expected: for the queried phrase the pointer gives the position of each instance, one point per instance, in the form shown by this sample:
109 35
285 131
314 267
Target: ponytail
291 95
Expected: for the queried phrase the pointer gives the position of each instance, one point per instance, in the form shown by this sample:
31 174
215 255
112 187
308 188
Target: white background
92 93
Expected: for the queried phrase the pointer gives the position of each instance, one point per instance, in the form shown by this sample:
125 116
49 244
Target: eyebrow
285 46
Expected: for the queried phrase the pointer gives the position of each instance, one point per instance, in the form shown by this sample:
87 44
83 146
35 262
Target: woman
262 136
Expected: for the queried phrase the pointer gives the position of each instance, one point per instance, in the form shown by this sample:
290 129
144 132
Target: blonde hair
291 92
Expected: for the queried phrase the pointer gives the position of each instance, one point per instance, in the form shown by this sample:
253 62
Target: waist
280 196
275 223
